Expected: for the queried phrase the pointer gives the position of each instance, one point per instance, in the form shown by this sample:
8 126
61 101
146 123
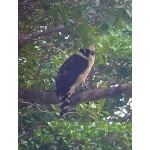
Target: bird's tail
64 103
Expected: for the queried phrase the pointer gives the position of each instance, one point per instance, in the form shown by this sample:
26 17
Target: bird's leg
85 86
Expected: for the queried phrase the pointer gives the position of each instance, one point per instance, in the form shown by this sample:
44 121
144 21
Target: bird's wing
69 72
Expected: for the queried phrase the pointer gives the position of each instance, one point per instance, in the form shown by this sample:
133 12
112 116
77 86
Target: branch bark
29 38
33 96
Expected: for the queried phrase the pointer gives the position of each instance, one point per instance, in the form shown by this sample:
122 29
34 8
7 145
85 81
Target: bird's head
92 49
89 52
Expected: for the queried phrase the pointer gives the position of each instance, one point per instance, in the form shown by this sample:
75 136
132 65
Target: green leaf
127 135
104 26
105 112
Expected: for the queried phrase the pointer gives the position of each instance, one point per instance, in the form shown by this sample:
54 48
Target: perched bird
72 73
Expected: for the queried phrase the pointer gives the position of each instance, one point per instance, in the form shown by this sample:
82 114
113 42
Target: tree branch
29 38
39 97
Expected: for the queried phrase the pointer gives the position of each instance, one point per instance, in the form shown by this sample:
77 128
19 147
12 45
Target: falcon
73 73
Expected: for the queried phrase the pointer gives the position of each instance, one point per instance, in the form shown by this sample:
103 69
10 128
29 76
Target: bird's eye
92 53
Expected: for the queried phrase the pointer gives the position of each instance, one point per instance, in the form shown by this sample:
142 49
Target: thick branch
33 96
37 35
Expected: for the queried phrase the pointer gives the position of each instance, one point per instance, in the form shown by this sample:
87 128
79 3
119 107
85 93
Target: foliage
95 125
49 132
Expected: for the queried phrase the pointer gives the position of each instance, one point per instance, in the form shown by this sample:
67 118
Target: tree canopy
49 31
